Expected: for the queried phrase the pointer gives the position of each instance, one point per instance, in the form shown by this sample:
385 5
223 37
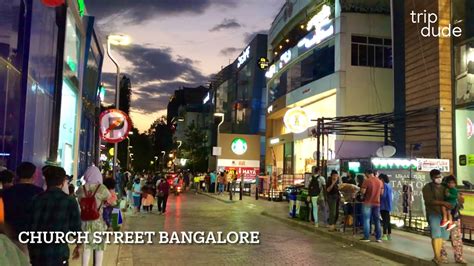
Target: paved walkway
281 244
404 246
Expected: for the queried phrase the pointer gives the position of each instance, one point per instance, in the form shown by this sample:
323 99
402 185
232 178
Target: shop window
371 52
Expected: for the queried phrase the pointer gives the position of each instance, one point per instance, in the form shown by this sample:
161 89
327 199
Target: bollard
256 193
241 191
230 191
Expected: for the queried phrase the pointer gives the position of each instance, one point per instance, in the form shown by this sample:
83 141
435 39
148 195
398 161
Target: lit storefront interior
69 99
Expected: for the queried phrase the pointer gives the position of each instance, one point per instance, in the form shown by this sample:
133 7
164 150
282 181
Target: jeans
333 209
162 203
368 212
437 231
387 227
314 202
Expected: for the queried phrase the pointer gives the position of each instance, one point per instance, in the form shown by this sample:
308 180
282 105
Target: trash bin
292 207
302 206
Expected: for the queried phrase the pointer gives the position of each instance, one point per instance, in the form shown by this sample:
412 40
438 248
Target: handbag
161 194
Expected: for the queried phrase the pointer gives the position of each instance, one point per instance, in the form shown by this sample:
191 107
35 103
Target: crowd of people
63 205
369 199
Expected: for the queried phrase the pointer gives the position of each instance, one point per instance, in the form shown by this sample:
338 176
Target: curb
369 247
216 198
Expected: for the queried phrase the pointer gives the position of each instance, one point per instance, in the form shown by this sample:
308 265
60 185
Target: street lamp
116 39
163 160
221 115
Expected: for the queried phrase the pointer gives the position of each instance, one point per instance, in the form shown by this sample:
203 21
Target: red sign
114 125
248 172
53 3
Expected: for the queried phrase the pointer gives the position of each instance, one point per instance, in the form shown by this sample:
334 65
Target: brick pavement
405 247
280 244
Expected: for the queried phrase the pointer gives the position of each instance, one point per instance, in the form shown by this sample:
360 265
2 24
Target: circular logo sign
296 120
239 146
114 125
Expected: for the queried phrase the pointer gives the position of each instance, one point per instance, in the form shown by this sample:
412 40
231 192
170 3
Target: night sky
176 43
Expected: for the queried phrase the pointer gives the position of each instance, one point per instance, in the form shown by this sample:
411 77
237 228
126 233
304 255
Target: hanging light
53 3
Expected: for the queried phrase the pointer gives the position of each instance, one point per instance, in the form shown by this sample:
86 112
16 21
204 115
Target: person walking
53 211
136 194
386 207
316 189
372 189
333 198
213 178
18 198
6 179
220 181
92 196
434 197
162 192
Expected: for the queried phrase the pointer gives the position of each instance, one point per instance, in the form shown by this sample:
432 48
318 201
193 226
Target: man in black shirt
18 198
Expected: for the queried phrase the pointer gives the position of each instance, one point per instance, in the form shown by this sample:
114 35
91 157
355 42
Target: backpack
314 188
88 204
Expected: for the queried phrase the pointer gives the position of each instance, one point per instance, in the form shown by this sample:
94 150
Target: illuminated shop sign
285 58
394 163
296 120
263 63
274 141
239 146
207 98
243 57
270 109
323 28
320 27
426 165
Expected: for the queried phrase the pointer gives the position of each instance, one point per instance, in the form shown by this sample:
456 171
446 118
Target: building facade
437 72
48 57
238 92
328 59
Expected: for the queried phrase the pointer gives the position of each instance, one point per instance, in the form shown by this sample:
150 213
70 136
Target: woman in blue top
386 207
136 192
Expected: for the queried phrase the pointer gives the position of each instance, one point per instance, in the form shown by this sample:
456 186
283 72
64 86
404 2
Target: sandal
461 261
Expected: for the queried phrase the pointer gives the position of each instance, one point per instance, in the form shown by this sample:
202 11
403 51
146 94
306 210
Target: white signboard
426 165
216 151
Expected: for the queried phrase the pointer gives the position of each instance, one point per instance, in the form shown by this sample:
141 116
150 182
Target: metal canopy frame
380 126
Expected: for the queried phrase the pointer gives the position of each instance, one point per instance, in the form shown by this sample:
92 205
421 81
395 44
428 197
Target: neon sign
285 58
243 57
322 25
394 163
207 98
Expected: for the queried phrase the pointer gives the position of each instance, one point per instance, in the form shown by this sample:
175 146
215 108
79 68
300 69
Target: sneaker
389 237
364 240
316 225
385 237
379 241
444 223
451 226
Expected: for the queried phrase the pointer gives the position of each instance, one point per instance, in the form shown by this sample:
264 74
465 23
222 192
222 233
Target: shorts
437 231
136 201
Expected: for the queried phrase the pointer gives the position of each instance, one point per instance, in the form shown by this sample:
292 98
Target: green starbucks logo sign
239 146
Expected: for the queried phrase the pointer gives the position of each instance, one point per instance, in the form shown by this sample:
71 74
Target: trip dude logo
431 29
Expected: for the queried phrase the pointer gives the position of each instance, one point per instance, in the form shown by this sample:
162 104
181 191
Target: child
147 200
111 201
451 196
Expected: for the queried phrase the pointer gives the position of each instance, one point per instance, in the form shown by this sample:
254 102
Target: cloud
230 51
155 97
248 36
157 64
138 11
226 24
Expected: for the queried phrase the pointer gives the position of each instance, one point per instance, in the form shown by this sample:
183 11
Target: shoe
451 226
364 240
385 237
379 241
444 223
389 237
461 261
316 225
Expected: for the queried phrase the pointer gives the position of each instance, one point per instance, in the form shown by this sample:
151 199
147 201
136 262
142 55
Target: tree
161 136
124 106
142 151
195 149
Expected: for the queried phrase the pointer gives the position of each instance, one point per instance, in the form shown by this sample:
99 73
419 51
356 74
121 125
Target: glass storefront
317 64
69 97
67 131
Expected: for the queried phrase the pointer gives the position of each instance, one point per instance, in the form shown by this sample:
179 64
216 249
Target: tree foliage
194 148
